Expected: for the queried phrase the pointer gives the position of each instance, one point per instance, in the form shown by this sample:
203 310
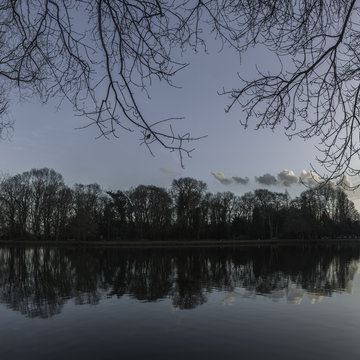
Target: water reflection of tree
30 284
37 282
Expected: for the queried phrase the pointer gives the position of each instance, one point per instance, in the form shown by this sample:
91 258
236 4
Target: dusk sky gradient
46 137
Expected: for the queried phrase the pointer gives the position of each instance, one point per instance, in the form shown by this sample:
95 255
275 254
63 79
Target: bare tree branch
316 91
100 54
103 55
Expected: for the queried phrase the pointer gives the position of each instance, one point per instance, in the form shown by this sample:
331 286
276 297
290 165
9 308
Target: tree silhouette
316 90
100 55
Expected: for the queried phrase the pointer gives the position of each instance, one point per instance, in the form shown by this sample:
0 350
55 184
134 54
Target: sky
45 136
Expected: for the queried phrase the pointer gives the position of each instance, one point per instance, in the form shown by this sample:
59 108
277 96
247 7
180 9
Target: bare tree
188 195
316 91
103 56
87 208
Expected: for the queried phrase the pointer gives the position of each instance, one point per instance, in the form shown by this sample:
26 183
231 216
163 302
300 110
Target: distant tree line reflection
38 282
38 205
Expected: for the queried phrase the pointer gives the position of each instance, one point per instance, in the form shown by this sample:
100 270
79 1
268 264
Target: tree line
37 204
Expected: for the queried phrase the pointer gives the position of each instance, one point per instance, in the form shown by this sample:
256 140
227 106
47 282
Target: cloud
169 171
240 180
309 178
222 178
287 177
266 179
345 182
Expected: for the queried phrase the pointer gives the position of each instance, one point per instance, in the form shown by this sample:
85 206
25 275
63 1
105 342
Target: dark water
213 303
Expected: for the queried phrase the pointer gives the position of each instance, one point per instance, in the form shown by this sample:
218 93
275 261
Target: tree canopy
99 55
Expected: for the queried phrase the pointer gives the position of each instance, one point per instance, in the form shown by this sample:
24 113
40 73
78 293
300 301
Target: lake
286 302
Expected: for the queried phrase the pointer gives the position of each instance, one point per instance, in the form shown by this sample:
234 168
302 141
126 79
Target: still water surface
183 303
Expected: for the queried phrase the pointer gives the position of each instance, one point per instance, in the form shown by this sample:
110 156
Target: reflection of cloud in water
276 295
248 294
314 298
350 286
228 301
241 294
295 295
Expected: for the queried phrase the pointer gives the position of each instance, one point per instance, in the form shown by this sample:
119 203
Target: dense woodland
38 205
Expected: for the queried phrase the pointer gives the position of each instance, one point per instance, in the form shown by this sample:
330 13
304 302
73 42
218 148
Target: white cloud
266 179
345 182
287 177
169 171
222 178
240 180
309 178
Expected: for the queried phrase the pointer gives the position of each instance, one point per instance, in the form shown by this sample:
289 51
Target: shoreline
179 243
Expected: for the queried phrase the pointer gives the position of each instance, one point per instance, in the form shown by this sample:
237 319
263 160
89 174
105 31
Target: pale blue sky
45 137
